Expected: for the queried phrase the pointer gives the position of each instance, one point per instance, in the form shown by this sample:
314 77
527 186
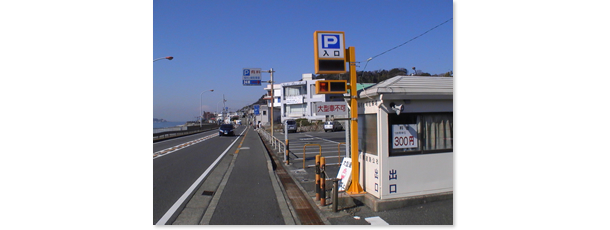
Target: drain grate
207 193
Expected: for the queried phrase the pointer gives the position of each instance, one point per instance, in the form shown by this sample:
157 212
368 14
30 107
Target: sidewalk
242 189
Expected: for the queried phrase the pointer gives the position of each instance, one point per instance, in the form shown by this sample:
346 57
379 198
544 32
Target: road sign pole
272 100
355 187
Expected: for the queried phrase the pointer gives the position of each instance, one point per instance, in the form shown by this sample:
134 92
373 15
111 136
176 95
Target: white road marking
186 194
375 220
322 138
176 138
169 150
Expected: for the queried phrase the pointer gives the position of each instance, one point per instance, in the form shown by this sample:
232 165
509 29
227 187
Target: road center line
181 146
170 212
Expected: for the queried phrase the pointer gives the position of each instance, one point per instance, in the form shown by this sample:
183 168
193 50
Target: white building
405 130
297 99
276 105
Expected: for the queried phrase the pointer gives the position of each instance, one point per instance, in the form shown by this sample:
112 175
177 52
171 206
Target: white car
332 126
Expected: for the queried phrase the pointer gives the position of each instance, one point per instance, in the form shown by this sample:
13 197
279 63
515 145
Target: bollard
335 195
317 177
287 148
323 181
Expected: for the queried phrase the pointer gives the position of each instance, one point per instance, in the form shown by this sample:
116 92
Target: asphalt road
175 172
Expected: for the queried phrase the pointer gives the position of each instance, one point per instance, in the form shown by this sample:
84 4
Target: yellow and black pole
286 156
355 187
318 177
322 181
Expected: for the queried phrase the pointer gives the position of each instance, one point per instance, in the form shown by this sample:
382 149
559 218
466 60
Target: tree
448 74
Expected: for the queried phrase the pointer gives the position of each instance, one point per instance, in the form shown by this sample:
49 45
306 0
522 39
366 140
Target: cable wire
371 58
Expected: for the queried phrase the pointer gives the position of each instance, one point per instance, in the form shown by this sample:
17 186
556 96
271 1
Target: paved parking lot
432 213
330 144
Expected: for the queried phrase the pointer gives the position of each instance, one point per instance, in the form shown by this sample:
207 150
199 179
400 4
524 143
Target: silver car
332 126
292 126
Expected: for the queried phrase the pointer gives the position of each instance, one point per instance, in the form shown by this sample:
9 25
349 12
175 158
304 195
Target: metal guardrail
339 150
170 129
279 145
276 143
304 146
178 131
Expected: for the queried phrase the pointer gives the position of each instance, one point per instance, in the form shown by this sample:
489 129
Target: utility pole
272 99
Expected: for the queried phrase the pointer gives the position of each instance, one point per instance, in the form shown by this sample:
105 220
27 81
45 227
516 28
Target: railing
339 150
170 132
276 143
170 129
304 146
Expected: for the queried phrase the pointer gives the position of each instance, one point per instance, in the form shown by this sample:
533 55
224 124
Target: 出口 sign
331 108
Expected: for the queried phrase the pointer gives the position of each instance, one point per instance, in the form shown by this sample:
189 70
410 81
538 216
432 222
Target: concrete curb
304 192
285 206
198 203
207 216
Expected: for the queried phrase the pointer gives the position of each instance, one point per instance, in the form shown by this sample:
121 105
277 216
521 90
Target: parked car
292 126
332 126
226 129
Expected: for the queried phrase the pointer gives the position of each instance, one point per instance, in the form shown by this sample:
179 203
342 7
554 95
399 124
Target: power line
371 58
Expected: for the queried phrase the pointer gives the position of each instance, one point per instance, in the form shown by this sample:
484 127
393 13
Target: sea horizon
167 124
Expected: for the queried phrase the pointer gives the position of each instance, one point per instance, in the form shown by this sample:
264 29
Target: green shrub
302 122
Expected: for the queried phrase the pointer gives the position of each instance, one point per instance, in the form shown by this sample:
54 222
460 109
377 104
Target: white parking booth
405 136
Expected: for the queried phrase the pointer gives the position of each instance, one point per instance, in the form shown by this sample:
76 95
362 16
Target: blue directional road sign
251 77
256 109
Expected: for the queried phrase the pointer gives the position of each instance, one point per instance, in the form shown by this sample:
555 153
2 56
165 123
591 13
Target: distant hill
376 76
159 120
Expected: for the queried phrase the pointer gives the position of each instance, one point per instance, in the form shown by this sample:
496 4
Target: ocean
168 124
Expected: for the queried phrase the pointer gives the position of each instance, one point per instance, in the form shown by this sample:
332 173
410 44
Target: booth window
367 133
420 133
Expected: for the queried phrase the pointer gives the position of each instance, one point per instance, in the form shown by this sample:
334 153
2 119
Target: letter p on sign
330 41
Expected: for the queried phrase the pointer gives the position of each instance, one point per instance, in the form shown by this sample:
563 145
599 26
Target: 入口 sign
331 45
329 49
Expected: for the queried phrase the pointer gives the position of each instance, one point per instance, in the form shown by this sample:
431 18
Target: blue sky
212 41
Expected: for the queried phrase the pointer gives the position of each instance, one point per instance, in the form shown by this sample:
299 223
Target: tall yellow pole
355 187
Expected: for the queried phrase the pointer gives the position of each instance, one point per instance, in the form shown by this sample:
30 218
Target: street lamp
200 104
168 58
